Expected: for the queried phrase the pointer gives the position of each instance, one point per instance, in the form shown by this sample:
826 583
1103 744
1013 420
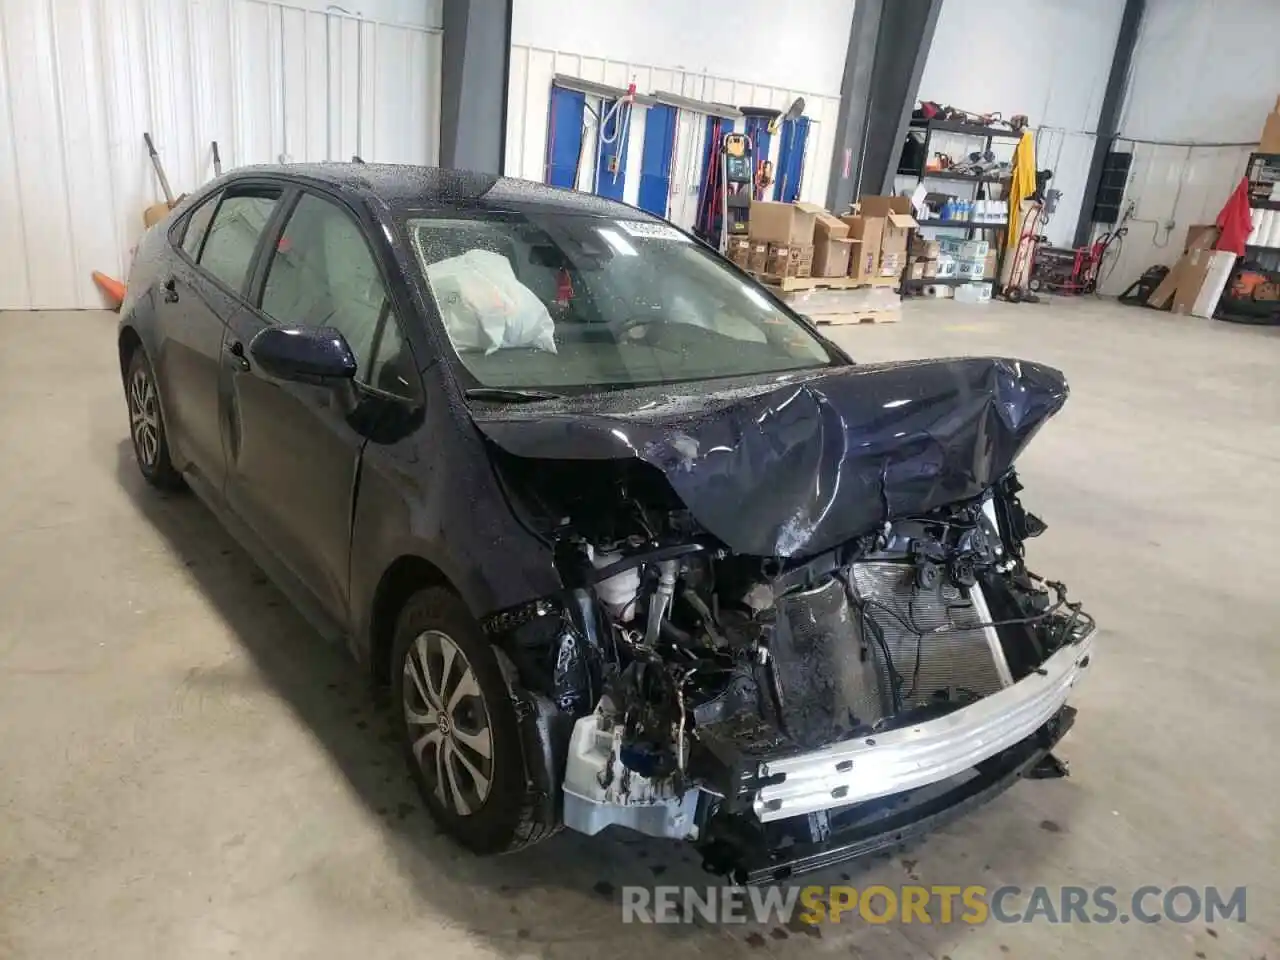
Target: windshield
571 303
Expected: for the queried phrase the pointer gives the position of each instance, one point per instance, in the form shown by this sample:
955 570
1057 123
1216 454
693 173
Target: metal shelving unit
988 135
967 224
1262 172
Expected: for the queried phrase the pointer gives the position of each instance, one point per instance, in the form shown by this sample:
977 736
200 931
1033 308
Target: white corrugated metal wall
1048 59
529 92
83 79
1204 77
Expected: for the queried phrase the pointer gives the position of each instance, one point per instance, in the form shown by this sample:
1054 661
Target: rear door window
198 225
234 234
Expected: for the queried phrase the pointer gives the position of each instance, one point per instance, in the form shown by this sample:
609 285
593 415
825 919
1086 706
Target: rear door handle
236 350
171 290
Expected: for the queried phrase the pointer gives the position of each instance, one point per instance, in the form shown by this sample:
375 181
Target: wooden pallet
862 316
790 284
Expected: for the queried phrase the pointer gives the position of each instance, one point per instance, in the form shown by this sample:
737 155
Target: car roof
405 188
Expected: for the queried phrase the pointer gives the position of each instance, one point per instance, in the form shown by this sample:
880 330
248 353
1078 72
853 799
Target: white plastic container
620 591
973 293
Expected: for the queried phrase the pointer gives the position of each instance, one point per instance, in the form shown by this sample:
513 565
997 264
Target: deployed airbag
794 468
485 307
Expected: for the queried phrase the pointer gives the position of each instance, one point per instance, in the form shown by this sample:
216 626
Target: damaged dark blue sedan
631 542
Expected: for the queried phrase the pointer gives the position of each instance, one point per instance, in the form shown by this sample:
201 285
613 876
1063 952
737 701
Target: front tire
458 726
146 424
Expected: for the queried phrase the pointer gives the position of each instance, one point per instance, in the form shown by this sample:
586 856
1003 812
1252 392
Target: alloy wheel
448 722
144 417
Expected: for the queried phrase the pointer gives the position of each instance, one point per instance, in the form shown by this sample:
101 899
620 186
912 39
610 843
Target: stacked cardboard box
832 247
924 254
970 256
881 226
896 226
786 230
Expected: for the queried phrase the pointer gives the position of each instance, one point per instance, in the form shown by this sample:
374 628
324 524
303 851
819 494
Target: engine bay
684 665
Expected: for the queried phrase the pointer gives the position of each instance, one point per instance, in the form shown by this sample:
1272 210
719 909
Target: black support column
888 44
473 95
1109 114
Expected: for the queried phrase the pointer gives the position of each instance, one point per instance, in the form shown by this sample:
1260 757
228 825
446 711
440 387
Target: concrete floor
185 771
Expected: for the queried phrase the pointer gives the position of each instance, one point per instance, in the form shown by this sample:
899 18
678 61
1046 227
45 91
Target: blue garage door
655 162
611 172
794 134
564 136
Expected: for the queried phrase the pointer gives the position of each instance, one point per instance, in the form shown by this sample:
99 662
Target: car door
294 449
197 297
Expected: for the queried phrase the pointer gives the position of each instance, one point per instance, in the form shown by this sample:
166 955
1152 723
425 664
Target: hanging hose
604 121
621 128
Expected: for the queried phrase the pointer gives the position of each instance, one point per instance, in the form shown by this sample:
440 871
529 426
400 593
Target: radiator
962 662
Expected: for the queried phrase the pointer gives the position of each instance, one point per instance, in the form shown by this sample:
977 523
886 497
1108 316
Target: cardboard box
917 269
801 259
739 249
970 269
891 262
1195 232
923 248
789 260
757 256
963 249
828 227
154 214
895 216
783 223
1186 270
831 255
930 268
865 260
1203 277
779 262
989 264
1269 142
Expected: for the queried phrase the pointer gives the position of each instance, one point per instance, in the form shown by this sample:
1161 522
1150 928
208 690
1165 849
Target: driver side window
323 274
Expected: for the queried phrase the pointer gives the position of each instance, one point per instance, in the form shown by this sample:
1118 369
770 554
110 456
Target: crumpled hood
791 466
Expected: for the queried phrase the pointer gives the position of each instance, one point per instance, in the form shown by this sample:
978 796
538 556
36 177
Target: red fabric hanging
1234 221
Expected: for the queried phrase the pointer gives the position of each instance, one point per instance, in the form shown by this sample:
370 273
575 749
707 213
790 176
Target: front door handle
171 290
236 350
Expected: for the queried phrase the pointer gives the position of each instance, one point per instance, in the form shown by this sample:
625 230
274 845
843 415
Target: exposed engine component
601 790
686 664
619 592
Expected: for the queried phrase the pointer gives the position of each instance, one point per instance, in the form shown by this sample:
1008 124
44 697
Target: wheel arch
129 341
404 577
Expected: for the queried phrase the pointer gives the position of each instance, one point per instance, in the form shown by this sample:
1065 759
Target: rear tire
458 726
146 424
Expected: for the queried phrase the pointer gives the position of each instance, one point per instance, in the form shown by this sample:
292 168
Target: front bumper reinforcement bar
895 761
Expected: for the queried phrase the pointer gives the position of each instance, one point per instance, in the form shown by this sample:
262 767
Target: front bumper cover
913 757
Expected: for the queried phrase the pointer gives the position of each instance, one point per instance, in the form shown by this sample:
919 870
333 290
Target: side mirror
315 355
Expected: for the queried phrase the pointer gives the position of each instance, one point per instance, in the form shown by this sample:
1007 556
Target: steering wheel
620 327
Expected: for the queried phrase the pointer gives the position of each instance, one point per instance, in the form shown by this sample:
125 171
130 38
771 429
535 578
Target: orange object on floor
114 290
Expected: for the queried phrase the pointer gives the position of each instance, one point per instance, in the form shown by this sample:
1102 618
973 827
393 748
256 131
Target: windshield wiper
510 395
